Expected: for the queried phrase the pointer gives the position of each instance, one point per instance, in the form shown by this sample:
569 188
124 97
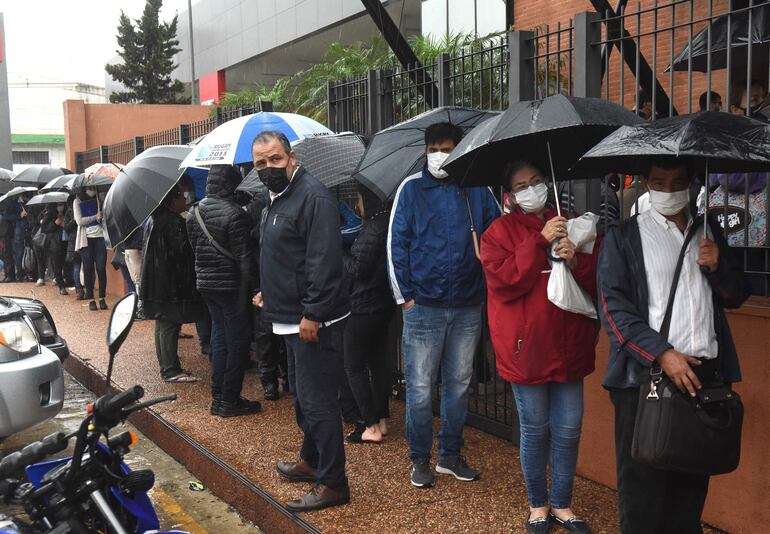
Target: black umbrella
96 181
399 151
714 141
61 183
759 37
5 180
15 192
48 198
139 189
330 158
39 175
551 133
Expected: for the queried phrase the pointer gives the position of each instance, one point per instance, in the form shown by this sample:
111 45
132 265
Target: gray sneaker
422 476
457 467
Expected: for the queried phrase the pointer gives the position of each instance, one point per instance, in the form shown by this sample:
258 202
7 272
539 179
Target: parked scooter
93 491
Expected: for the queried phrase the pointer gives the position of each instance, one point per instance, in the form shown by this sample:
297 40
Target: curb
251 501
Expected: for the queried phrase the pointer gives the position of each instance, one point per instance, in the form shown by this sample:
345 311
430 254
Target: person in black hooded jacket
372 306
223 274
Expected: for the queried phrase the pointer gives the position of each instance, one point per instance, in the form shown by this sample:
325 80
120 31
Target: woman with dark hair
89 241
544 351
366 334
73 257
51 225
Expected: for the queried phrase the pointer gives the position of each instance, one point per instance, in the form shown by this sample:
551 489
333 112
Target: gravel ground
382 498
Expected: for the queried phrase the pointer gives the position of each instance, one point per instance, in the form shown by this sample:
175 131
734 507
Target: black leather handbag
676 432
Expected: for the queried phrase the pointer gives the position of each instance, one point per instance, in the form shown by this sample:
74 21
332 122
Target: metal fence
624 55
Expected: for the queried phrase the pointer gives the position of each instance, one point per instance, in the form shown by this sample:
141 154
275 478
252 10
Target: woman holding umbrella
544 351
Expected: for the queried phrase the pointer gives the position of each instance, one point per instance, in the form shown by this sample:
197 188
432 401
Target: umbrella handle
553 179
551 257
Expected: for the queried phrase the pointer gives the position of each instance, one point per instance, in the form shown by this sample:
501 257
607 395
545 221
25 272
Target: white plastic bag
563 289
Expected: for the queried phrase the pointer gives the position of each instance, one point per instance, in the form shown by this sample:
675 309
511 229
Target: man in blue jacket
637 264
436 277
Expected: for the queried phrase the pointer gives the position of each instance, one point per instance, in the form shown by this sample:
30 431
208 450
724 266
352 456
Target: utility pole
194 96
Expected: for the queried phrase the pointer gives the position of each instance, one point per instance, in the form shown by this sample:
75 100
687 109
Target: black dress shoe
271 391
238 408
541 525
216 404
63 291
297 471
320 496
102 305
572 524
92 306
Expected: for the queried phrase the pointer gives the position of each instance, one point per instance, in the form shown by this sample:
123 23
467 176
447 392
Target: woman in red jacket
543 351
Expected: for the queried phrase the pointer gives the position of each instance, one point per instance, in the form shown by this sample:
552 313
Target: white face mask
669 203
532 198
189 197
91 192
435 161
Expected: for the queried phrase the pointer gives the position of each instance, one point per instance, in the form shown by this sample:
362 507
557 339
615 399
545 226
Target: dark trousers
76 266
8 255
230 335
203 329
270 350
167 347
367 363
94 257
52 259
315 373
652 501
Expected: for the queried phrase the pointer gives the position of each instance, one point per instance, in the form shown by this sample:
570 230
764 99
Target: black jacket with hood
300 262
229 225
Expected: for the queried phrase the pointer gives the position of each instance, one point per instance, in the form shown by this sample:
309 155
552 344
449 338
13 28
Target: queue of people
276 274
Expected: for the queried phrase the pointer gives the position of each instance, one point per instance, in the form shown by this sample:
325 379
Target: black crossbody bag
676 432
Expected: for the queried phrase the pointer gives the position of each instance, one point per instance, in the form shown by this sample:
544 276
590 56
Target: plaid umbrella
332 159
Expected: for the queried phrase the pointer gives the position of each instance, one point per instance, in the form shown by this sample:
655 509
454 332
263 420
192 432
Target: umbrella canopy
62 182
5 174
104 169
332 159
48 198
39 175
722 141
139 189
399 151
230 143
569 125
16 191
98 181
759 37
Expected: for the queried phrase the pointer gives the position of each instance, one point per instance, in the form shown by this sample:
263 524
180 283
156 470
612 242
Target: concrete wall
88 126
6 161
737 502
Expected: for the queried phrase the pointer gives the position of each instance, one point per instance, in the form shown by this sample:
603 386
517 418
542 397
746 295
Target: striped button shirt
692 320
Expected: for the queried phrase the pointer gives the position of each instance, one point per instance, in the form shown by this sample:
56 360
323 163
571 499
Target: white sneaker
40 282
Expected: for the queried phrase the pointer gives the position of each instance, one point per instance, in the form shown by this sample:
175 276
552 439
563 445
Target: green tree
147 48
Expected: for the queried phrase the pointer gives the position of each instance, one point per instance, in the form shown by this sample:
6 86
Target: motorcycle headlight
18 335
43 327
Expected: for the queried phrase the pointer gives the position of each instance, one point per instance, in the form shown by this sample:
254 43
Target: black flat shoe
102 305
92 306
541 525
573 524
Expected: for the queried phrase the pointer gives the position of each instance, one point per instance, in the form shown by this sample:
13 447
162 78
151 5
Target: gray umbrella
15 192
39 175
330 158
61 183
48 198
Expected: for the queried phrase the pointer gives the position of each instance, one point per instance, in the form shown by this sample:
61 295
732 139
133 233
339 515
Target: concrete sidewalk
382 498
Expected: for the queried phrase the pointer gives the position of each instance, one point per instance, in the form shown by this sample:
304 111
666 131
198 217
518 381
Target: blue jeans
130 287
550 417
76 264
230 337
95 254
438 338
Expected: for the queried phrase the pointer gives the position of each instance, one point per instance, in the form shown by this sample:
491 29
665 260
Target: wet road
178 507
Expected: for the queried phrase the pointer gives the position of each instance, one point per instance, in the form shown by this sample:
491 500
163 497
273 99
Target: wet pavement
178 507
382 500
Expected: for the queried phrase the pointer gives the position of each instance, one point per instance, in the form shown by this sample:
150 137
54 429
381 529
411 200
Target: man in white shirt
636 268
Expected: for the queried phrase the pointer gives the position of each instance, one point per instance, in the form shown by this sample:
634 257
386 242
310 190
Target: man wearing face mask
304 296
436 277
636 268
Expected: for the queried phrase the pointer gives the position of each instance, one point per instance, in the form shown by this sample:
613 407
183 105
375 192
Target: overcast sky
67 40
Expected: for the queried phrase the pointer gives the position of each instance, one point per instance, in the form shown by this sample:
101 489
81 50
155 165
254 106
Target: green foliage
147 48
306 91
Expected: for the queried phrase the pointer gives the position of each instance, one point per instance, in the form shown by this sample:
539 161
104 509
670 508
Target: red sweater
534 341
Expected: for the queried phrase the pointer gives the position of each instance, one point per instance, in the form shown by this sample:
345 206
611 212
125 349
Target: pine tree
147 48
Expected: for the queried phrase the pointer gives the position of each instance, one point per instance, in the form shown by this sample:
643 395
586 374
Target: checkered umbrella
332 159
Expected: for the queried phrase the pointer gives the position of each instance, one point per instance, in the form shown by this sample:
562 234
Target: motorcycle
93 491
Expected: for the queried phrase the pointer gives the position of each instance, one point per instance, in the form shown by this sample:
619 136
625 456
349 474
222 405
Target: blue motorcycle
93 491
